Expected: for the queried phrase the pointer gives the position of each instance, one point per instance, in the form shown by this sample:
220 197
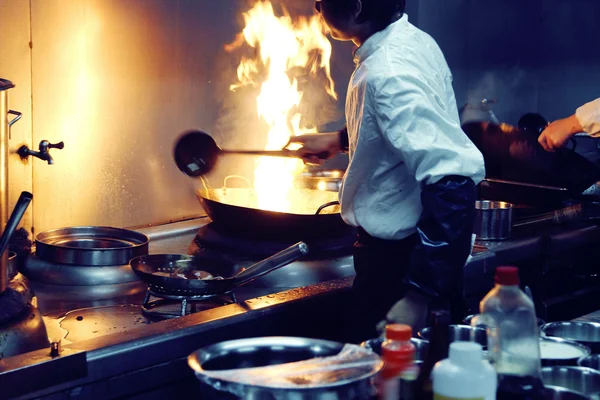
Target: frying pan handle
272 263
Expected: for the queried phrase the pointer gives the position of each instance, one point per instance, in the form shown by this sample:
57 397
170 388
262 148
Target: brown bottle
437 351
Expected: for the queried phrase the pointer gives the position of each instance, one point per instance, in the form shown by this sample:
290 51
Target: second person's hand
559 132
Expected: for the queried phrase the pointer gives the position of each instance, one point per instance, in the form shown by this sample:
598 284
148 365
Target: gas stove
74 296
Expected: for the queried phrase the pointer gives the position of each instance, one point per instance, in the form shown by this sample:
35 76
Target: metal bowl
468 319
461 333
558 393
591 361
583 351
421 347
265 351
581 380
586 333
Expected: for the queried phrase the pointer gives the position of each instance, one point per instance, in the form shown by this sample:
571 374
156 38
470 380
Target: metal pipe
13 221
4 127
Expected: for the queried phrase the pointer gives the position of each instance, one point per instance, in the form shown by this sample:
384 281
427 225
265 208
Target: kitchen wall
532 56
118 81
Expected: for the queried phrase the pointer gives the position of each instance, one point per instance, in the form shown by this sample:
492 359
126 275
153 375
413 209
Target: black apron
381 268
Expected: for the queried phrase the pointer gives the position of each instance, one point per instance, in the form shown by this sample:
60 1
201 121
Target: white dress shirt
403 129
589 117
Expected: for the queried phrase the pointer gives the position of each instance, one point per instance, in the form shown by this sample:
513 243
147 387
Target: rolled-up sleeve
589 117
414 118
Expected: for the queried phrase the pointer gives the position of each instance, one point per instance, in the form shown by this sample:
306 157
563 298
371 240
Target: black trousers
381 267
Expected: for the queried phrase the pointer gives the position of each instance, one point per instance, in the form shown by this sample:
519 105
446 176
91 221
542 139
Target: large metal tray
91 245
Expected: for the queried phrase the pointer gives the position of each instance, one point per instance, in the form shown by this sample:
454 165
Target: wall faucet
43 154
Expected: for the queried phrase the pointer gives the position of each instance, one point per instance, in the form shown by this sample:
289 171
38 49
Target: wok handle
272 263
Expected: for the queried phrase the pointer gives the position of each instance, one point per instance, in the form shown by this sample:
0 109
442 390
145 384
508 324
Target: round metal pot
549 358
265 351
586 333
91 245
585 381
591 361
328 180
558 393
493 220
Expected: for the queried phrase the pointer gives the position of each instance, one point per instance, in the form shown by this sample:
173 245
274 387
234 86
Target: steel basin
591 361
265 351
584 351
586 333
582 380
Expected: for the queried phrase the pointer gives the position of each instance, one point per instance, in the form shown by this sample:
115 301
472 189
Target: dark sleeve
444 229
344 139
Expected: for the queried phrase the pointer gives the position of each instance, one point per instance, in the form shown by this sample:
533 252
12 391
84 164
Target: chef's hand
317 147
559 132
411 310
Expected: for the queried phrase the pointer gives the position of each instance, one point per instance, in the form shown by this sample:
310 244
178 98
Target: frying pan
146 267
512 154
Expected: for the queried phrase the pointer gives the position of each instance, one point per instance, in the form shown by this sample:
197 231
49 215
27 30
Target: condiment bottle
513 337
464 374
438 350
398 354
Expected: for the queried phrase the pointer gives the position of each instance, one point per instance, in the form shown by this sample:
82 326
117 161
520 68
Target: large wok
315 214
512 154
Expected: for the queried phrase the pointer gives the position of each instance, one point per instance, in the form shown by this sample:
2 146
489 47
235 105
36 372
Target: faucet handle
46 145
59 145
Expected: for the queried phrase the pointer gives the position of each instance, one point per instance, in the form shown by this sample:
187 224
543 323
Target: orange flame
282 44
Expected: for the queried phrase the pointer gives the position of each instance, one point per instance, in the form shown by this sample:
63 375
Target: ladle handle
14 219
273 153
272 263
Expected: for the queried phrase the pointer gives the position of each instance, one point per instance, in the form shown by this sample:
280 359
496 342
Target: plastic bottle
398 355
437 351
513 337
465 374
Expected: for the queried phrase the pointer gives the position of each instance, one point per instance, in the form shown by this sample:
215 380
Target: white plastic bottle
464 374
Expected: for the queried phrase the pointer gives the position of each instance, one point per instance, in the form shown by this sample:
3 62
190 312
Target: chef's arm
588 116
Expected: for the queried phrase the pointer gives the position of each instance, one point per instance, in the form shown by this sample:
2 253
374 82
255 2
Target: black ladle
196 153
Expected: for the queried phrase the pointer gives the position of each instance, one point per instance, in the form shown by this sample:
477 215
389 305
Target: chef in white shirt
586 119
410 185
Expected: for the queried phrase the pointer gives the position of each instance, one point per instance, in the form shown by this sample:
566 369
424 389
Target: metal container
328 180
464 333
91 245
421 347
592 361
586 333
558 393
585 381
550 358
265 351
493 220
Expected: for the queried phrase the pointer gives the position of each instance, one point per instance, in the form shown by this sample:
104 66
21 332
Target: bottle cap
465 353
400 332
507 276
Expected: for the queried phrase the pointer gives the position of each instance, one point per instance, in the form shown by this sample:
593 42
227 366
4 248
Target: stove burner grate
150 308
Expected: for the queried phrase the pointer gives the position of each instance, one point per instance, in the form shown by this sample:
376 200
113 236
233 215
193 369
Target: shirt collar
376 40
